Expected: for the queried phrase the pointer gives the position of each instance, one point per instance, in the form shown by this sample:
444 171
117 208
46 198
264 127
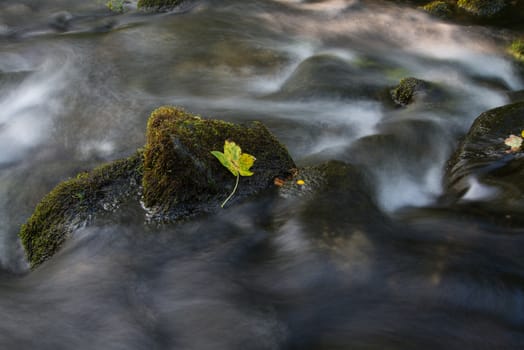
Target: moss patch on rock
74 202
158 4
482 8
411 90
439 9
517 50
182 177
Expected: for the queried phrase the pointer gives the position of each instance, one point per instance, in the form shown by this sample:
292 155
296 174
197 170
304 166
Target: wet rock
182 177
75 202
410 90
158 5
482 8
328 76
483 156
440 9
334 200
516 96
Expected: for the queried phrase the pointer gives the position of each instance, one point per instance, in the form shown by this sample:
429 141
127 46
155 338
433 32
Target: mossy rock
482 8
517 50
483 155
410 90
158 4
76 201
182 177
439 9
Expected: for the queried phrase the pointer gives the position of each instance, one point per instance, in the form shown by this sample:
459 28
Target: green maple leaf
235 161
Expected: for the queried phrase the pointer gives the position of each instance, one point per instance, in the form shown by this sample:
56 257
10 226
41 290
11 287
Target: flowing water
76 86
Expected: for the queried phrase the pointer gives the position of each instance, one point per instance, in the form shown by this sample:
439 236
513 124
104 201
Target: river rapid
77 84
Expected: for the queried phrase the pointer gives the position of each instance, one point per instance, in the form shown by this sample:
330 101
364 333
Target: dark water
76 87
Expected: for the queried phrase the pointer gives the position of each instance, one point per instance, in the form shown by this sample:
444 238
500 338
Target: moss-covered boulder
483 156
176 176
439 9
158 4
75 202
482 8
411 90
182 177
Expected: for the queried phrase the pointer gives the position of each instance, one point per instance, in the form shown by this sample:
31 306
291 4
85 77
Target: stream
77 84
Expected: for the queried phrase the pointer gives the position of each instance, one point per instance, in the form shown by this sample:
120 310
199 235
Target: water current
77 84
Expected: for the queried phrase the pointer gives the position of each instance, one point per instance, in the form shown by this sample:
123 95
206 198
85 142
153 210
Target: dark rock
516 96
182 177
61 21
482 8
159 5
334 201
484 156
500 13
327 76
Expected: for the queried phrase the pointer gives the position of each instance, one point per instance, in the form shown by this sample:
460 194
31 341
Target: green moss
439 9
72 203
405 91
482 8
158 4
181 176
517 50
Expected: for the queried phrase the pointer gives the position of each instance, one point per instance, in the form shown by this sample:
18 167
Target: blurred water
266 275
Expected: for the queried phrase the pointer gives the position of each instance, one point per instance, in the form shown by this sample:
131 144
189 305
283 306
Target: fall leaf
236 162
513 141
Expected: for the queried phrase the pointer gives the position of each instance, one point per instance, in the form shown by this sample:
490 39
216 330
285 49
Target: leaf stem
232 193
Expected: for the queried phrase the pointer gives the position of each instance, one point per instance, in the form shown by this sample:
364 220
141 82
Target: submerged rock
484 157
182 177
333 200
74 202
328 76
